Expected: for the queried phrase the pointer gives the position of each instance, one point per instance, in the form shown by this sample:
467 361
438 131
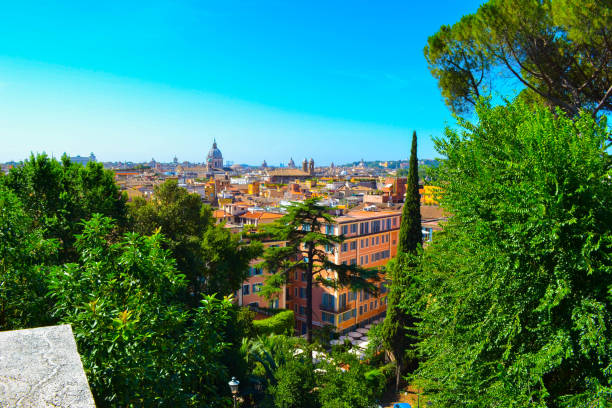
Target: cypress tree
410 236
394 331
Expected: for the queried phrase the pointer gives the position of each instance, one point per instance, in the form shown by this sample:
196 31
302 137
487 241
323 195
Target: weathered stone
42 368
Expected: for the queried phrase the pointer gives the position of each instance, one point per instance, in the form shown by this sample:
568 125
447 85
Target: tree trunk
397 375
309 298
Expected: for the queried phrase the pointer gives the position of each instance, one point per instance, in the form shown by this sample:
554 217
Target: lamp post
233 384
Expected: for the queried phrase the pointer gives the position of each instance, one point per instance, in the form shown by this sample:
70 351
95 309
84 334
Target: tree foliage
23 252
516 305
559 50
212 259
57 196
307 250
139 345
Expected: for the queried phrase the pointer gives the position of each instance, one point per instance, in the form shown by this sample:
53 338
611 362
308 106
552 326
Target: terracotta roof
256 215
220 214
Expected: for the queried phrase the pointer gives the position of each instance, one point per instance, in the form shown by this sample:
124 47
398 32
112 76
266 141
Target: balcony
343 308
328 308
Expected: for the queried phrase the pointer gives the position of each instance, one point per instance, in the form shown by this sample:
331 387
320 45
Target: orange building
371 240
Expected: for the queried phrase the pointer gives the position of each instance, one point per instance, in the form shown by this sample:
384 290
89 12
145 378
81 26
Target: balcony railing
342 308
328 308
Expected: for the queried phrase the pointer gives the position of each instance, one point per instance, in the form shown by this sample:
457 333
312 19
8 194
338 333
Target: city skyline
268 81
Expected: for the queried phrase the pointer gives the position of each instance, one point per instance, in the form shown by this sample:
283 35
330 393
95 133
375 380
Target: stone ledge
42 368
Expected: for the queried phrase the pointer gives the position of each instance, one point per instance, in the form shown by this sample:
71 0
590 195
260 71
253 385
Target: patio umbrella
355 335
363 344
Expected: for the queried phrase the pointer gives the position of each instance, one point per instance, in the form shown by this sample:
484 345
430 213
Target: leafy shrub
280 323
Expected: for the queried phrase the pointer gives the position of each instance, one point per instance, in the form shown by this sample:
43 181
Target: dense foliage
57 195
212 259
559 51
516 307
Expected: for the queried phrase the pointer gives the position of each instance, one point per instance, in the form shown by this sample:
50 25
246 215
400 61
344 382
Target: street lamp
233 384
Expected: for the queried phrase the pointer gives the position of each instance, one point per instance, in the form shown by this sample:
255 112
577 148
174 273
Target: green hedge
280 323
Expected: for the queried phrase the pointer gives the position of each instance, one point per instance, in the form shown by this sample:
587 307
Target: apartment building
371 241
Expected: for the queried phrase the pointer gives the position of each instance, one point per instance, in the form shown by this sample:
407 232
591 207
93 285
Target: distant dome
214 152
214 159
236 167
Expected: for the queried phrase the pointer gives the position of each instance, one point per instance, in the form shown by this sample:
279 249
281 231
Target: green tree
139 344
57 196
345 382
394 330
516 306
558 50
410 235
23 253
213 260
307 251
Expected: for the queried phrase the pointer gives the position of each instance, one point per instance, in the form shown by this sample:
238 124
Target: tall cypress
410 236
395 332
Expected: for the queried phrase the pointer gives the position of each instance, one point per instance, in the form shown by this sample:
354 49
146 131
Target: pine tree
307 251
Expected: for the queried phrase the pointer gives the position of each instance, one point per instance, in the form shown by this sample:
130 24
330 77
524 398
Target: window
344 229
328 300
352 296
295 292
245 289
306 227
383 287
366 295
353 245
376 304
303 276
329 229
365 308
371 304
274 304
302 310
327 317
394 221
372 258
296 275
257 287
364 228
388 223
353 228
303 293
253 271
361 260
377 240
366 260
376 226
347 315
354 261
360 310
367 241
342 301
344 247
362 243
343 262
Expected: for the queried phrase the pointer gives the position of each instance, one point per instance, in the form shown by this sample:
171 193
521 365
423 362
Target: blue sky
332 80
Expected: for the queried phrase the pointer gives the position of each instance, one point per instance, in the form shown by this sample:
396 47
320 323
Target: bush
281 323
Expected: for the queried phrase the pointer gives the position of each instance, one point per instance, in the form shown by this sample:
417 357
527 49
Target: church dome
214 152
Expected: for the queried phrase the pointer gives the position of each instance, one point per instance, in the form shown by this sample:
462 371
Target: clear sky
131 80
